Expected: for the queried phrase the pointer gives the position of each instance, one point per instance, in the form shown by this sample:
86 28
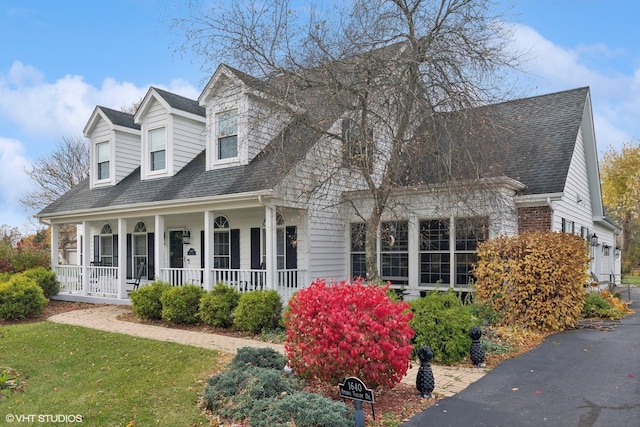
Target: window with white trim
221 243
435 253
157 149
394 255
103 156
140 250
106 246
469 232
358 251
227 134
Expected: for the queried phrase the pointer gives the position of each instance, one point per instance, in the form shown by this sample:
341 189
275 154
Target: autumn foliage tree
534 280
620 176
348 329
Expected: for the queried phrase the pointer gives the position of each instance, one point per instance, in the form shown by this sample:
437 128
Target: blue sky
58 59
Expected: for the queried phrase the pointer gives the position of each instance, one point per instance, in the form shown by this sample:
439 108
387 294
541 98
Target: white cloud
615 96
13 179
62 108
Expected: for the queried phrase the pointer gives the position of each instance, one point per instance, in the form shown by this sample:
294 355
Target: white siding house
228 188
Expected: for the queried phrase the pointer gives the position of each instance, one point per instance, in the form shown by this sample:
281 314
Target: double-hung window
227 134
139 243
106 246
435 255
358 253
157 149
221 243
102 160
469 232
394 257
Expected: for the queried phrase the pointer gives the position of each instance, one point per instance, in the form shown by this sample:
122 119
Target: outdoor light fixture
594 239
186 236
617 253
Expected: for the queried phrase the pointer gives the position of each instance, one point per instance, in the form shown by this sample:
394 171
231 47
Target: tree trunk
371 246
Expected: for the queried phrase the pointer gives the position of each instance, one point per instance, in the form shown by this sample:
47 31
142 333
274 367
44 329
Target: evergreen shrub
146 300
20 297
44 278
442 322
180 304
258 311
217 305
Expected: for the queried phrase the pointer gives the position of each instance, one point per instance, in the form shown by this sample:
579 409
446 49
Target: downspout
550 204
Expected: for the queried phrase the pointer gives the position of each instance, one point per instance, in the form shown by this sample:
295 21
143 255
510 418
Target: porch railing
183 276
70 278
102 281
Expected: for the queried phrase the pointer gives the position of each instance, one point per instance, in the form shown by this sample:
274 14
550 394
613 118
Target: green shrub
260 357
233 393
44 278
146 300
4 277
180 304
602 305
20 297
216 306
301 409
442 322
258 310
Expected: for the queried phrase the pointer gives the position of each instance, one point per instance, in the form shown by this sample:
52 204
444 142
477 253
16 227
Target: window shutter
129 257
115 250
235 249
150 256
291 248
96 248
256 259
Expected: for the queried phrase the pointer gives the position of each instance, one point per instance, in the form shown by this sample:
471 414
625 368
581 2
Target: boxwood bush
44 278
217 305
146 300
258 310
442 322
180 304
20 297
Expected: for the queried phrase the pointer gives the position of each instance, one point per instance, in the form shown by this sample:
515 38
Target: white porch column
208 249
122 257
86 258
270 246
452 252
413 289
159 239
55 234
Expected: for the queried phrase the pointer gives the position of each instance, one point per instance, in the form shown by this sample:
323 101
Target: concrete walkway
448 380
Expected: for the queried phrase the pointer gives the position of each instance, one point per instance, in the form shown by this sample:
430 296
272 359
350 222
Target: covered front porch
249 247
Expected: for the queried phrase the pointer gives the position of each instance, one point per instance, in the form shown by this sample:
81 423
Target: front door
176 251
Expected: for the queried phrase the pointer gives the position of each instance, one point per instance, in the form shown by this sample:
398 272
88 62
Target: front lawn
109 379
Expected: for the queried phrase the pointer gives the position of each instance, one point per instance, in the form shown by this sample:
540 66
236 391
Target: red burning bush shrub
348 329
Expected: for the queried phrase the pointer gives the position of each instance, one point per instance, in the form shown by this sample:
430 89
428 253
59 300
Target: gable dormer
172 133
241 118
114 147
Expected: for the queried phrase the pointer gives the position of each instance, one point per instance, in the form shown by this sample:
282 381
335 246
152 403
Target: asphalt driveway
582 377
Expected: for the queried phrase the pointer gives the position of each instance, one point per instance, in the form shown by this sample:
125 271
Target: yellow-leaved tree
620 176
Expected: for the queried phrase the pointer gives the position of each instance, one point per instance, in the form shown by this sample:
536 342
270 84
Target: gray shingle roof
119 118
542 133
181 103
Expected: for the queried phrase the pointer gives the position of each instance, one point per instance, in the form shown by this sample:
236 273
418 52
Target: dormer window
157 149
102 160
227 134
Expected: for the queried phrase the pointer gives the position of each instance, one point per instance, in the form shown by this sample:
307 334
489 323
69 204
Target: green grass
109 379
633 280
